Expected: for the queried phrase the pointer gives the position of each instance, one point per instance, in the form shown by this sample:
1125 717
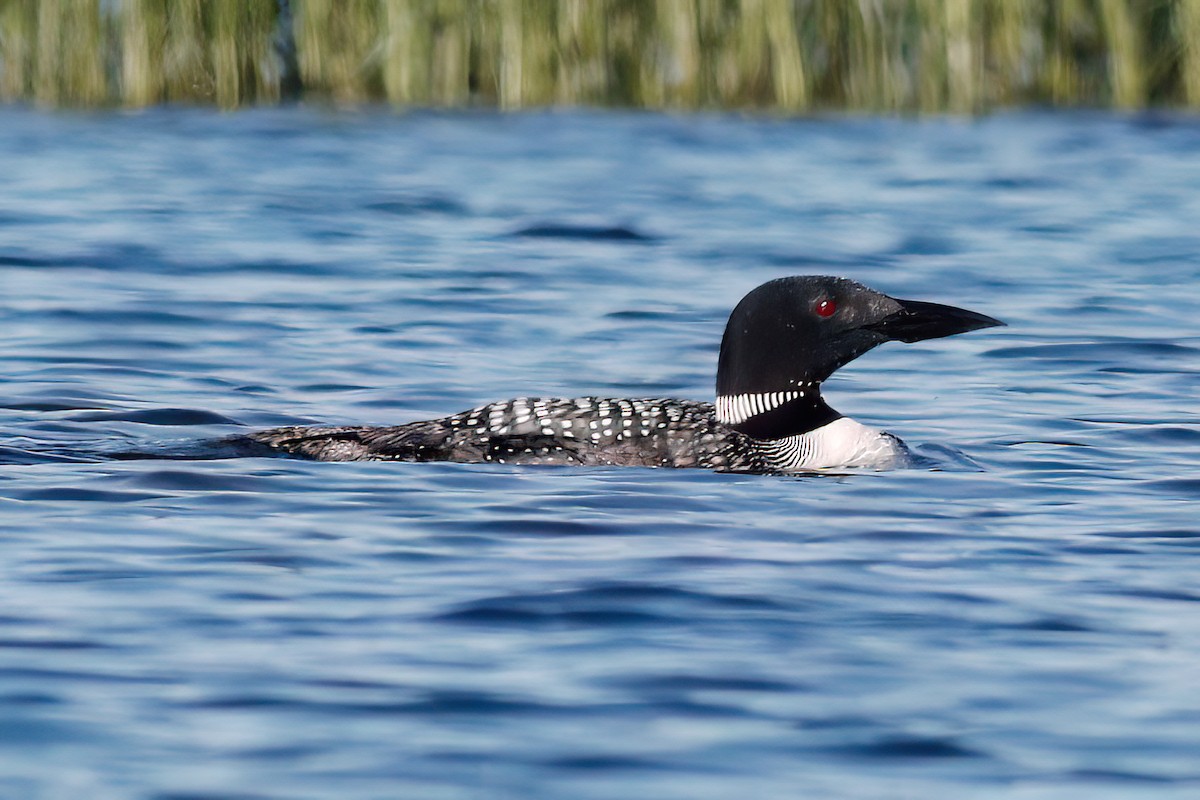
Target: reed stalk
1187 32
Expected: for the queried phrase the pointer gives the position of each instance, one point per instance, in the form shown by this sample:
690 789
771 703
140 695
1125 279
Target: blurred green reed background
775 55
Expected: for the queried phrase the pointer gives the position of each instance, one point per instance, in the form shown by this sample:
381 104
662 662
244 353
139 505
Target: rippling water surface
267 628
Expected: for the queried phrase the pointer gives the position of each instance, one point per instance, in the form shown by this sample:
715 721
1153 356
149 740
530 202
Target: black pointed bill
917 321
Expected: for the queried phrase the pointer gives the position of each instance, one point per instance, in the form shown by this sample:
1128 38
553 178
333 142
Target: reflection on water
1021 618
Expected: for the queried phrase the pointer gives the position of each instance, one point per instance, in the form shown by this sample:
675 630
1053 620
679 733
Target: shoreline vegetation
780 56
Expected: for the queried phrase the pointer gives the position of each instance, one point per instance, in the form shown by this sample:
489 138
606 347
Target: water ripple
605 233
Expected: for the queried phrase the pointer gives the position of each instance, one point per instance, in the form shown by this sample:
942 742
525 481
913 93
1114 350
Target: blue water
272 628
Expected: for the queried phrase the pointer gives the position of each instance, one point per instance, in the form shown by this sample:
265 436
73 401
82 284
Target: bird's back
585 431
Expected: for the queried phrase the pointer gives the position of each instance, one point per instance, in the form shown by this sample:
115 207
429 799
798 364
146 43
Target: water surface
272 628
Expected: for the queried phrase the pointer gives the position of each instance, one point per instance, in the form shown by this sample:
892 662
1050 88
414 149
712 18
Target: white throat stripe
737 408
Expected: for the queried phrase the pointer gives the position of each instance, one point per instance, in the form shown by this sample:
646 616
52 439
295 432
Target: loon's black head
789 334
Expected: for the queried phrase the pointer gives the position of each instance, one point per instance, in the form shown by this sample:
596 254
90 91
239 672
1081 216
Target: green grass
785 56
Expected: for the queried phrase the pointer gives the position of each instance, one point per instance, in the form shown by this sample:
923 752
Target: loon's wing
432 440
324 444
583 431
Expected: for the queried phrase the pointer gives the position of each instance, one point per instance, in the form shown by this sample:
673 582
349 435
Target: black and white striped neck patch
737 408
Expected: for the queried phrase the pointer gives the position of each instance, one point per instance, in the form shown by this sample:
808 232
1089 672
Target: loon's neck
775 415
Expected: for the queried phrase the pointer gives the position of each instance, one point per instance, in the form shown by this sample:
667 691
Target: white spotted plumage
653 433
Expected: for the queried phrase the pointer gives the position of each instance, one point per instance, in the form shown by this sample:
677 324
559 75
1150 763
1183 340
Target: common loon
782 340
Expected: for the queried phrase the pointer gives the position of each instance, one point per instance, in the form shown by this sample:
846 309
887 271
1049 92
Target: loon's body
783 339
596 431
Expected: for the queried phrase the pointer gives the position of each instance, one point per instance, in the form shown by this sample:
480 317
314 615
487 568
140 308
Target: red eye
825 308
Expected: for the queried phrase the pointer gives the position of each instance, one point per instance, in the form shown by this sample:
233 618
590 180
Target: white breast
841 443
